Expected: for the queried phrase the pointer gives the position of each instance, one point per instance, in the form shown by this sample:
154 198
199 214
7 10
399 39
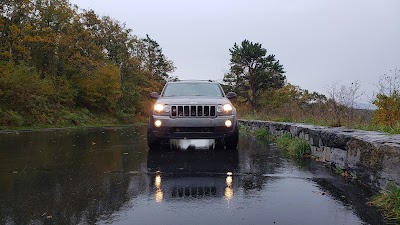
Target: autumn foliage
60 65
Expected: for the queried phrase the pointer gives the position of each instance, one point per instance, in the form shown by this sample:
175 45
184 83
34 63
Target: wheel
153 142
232 141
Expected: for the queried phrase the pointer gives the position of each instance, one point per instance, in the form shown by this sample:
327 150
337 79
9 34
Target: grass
81 119
262 134
389 202
296 147
384 129
283 141
244 129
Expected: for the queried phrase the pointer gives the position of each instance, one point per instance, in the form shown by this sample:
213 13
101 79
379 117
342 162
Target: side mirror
231 95
154 95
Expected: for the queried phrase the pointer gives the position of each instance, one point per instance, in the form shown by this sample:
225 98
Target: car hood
193 100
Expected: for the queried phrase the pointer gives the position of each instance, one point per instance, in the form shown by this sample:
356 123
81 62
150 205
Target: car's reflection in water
190 175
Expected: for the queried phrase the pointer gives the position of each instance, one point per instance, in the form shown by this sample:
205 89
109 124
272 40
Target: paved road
108 176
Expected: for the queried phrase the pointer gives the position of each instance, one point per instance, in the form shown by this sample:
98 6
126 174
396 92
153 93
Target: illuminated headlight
161 108
228 123
226 108
158 123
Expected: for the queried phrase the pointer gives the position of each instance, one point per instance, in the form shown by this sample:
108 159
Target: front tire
232 141
153 142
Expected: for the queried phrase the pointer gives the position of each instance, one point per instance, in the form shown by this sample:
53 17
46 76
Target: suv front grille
193 111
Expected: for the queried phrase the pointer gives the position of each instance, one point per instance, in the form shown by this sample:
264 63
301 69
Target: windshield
192 89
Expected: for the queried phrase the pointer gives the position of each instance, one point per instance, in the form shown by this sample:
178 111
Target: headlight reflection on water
229 190
159 193
157 182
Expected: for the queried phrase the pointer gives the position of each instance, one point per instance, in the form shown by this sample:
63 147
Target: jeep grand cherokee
193 110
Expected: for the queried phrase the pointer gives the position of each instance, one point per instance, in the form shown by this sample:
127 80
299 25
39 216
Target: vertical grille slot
180 111
193 111
186 110
199 110
206 110
212 111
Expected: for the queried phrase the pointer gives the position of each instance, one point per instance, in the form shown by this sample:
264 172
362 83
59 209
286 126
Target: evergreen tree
253 71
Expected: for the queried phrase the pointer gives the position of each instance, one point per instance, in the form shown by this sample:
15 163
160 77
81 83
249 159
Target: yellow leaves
15 31
35 39
102 88
276 98
388 112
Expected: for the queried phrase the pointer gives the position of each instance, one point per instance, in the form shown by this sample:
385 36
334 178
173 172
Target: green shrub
298 148
76 117
10 118
283 141
125 117
295 147
263 135
244 129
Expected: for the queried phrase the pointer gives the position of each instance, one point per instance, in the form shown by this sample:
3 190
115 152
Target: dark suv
193 110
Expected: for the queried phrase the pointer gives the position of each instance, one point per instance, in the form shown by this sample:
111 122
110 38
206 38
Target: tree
149 52
291 94
253 71
388 100
344 99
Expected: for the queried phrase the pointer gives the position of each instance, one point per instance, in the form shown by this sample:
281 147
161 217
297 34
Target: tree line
264 93
60 64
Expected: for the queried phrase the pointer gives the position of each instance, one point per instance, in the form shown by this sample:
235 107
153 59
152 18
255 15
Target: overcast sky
319 42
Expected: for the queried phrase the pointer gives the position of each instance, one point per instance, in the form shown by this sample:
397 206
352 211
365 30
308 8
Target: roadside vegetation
62 66
263 135
296 147
389 201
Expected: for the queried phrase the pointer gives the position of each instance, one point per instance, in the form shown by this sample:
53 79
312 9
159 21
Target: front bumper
193 128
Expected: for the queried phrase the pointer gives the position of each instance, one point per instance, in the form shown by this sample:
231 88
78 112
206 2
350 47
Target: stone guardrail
372 157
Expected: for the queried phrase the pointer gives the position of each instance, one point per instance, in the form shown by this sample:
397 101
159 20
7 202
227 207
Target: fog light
228 123
158 123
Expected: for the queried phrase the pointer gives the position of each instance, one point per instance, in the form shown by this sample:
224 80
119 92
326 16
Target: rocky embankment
371 157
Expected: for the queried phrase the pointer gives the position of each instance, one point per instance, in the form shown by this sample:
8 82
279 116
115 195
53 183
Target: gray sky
319 42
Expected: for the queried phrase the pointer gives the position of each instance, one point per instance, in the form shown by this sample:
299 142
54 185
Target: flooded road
108 176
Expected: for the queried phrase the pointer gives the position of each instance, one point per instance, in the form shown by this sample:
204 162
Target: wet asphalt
108 176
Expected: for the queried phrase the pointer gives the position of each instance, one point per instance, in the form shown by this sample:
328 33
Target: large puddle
108 176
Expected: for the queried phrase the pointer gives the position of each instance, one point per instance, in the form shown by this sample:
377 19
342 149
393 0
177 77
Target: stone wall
371 157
